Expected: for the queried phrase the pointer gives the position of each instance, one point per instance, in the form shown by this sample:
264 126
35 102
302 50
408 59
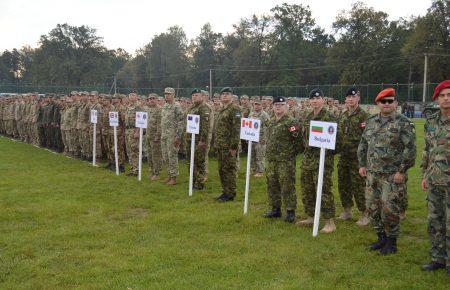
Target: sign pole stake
247 177
191 165
94 143
319 192
140 154
116 155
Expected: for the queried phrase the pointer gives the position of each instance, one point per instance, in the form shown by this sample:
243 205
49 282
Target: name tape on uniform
322 134
94 116
193 124
113 119
250 129
141 120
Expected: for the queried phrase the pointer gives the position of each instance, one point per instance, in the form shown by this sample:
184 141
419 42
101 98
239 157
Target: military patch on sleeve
292 128
362 125
238 115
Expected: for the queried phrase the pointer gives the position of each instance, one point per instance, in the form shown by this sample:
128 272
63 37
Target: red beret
390 92
444 85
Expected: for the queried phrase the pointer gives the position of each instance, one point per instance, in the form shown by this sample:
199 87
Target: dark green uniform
350 183
283 144
226 139
310 170
388 145
436 171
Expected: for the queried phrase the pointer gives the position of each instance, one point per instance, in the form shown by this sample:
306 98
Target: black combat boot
290 216
274 213
390 247
121 168
432 266
378 244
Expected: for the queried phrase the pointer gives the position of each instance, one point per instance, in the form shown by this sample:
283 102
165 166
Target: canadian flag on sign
246 124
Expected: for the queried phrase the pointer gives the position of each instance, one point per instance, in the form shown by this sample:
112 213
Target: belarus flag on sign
246 123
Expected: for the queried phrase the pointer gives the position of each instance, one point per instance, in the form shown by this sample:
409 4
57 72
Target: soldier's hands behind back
363 172
399 177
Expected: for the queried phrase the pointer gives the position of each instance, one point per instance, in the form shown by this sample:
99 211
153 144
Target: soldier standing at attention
201 141
283 144
350 183
153 137
310 168
386 151
259 148
226 142
172 119
132 134
436 179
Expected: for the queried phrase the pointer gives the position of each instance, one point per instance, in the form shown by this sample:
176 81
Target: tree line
284 47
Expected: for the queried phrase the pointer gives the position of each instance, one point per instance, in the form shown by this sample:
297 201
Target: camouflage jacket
264 118
206 118
154 123
388 147
312 154
283 139
350 128
130 116
436 155
172 120
228 125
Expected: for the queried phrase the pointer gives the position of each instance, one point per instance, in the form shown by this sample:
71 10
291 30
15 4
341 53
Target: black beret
279 100
227 90
352 91
196 91
315 93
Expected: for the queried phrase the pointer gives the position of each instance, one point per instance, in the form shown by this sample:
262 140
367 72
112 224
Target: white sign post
141 123
94 137
114 122
322 135
249 131
193 127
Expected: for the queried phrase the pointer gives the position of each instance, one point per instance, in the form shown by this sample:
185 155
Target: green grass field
67 224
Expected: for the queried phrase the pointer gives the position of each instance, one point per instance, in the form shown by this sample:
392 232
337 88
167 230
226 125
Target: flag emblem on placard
317 129
138 116
196 120
246 123
256 125
144 116
331 130
111 115
189 118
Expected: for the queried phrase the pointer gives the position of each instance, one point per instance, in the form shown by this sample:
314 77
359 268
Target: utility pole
425 78
210 84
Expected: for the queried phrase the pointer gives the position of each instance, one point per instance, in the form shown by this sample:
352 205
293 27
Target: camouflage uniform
206 118
283 144
34 123
98 130
388 145
350 183
153 140
132 136
172 120
227 137
310 169
259 148
436 172
106 132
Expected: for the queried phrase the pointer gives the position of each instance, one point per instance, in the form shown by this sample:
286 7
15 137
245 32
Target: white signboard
113 119
193 124
141 120
322 134
250 129
94 116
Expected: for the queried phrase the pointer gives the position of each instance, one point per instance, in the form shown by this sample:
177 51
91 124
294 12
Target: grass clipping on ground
67 224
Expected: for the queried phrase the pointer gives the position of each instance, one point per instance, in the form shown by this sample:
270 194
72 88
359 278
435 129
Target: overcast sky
130 24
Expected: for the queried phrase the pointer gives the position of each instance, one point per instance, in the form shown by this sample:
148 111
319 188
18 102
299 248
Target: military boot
363 220
346 214
390 247
274 213
290 216
172 181
329 227
432 266
309 221
154 177
378 244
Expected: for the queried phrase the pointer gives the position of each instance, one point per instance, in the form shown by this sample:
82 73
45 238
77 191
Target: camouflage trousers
120 147
154 155
83 139
132 145
33 131
170 155
383 200
65 139
108 146
350 183
199 175
227 171
98 141
439 222
280 176
258 153
308 182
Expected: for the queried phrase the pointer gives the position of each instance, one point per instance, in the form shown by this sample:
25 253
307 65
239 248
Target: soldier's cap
443 85
279 99
94 93
227 90
256 99
152 96
315 93
205 93
389 92
352 91
196 91
169 91
73 92
244 97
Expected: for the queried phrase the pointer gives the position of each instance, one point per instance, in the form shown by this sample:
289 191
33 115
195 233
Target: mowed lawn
67 224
